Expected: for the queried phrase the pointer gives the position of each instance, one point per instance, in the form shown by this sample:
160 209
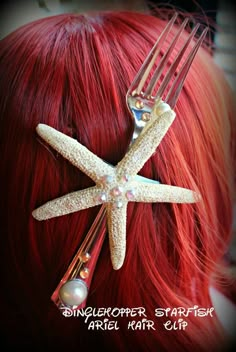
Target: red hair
72 73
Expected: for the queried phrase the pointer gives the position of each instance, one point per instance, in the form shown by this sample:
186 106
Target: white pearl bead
73 292
161 108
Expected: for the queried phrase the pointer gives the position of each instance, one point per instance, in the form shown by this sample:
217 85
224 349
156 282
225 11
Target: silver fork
140 103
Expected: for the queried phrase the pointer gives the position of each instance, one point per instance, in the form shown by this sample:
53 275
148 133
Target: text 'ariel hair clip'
116 186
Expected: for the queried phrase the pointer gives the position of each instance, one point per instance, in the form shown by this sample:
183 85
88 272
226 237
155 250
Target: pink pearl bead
130 194
84 273
85 257
117 191
107 179
125 178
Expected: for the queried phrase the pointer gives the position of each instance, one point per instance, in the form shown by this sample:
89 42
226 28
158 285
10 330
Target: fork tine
175 64
146 67
176 88
164 60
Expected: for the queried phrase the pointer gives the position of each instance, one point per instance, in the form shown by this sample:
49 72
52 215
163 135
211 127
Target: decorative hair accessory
116 186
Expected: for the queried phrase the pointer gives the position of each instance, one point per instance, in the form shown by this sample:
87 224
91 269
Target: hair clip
72 290
115 187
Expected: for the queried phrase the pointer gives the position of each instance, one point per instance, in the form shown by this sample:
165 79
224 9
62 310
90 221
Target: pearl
84 273
85 257
117 191
73 292
161 108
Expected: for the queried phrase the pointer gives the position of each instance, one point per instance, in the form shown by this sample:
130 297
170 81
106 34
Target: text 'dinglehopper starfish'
115 186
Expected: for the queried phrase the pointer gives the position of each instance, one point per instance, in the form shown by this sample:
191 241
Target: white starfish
115 186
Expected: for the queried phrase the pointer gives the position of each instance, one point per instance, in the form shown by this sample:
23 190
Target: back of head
72 73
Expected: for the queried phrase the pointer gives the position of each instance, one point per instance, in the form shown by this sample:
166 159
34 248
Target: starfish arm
146 143
76 153
163 193
68 203
117 233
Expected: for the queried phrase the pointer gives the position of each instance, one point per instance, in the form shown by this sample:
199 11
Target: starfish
115 186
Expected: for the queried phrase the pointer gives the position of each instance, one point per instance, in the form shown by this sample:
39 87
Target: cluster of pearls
146 102
84 272
75 291
115 190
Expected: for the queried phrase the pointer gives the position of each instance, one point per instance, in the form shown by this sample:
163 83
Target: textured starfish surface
115 186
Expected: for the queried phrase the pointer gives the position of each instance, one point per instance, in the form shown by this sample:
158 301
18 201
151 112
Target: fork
140 102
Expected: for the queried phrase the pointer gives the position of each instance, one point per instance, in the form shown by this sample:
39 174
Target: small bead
150 97
84 273
130 194
161 108
124 178
85 257
73 292
119 204
107 179
139 104
102 197
117 191
146 116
